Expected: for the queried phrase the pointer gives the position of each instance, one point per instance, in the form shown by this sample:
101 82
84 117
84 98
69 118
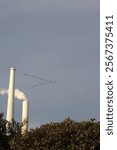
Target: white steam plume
3 91
18 94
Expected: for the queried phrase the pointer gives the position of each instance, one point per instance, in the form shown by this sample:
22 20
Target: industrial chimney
10 104
25 109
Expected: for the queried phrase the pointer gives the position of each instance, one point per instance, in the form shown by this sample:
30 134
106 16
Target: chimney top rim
12 68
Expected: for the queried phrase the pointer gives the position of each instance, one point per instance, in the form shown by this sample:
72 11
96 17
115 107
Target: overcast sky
56 40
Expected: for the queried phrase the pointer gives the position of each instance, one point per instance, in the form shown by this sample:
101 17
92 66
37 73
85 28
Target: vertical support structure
10 104
25 111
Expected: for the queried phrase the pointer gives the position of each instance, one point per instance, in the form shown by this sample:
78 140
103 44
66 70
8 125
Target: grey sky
57 40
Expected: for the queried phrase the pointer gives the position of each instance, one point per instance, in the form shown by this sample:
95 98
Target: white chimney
25 110
10 104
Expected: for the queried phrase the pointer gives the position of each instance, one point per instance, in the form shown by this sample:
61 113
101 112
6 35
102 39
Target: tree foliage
67 135
3 134
7 132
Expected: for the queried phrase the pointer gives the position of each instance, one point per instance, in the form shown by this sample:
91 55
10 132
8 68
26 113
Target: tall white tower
10 104
25 110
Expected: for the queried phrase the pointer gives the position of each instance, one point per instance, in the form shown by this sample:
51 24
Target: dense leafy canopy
66 135
7 132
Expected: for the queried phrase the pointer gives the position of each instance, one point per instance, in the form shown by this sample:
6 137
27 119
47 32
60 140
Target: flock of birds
45 81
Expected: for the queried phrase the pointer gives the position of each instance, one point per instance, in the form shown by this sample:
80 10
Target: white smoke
18 94
3 91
